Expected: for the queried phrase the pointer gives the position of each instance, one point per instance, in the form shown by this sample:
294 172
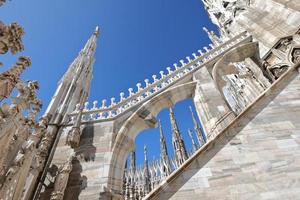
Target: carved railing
143 94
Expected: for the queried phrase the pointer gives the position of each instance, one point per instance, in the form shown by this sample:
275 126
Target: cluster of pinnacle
139 181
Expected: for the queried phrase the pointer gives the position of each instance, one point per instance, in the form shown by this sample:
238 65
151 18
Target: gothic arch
143 118
225 67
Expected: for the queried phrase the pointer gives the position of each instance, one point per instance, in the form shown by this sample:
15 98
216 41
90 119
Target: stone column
211 107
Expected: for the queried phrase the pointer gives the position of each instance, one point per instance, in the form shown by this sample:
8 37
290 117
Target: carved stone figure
73 138
61 180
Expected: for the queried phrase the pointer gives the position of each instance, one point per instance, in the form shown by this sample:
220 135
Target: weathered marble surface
257 158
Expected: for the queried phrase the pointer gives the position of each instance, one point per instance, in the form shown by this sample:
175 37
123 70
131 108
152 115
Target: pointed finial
182 63
194 55
206 49
97 31
169 70
201 136
162 75
205 29
122 96
145 152
95 103
175 66
132 162
147 82
194 146
154 78
139 86
188 59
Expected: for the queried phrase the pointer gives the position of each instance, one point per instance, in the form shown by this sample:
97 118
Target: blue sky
138 39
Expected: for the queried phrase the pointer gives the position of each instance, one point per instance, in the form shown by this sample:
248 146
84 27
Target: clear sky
138 39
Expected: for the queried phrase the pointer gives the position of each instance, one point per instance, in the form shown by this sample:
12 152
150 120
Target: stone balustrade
144 93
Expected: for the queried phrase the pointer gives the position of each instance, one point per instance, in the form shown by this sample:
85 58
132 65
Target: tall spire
132 175
194 146
126 181
132 162
147 183
72 89
164 158
212 36
200 135
74 86
84 68
178 143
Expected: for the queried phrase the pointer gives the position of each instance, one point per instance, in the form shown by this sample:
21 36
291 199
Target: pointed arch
143 118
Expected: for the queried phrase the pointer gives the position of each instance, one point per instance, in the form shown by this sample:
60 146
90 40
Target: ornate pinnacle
147 183
132 163
212 36
178 143
76 69
201 137
97 31
10 78
131 176
164 152
194 146
145 154
86 54
11 38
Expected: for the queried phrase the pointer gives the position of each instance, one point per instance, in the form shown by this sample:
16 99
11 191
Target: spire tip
97 31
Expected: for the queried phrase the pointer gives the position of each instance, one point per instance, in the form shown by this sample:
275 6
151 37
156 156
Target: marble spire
73 89
74 86
194 145
178 143
132 162
82 65
164 158
212 36
200 135
132 175
147 183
